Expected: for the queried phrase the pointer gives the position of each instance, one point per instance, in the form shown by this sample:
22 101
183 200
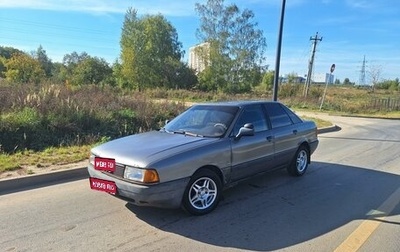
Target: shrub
289 90
54 115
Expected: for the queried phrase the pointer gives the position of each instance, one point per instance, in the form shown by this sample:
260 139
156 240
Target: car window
295 119
252 114
277 115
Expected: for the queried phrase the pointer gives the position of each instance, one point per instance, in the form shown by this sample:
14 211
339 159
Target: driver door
251 154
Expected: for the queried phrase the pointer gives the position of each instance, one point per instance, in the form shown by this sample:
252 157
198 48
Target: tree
119 79
184 78
375 74
8 52
3 68
268 80
91 70
70 62
24 69
177 75
150 50
41 56
236 47
389 84
292 77
5 54
346 81
59 73
395 84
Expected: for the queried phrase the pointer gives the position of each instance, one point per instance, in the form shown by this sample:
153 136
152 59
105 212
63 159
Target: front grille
119 171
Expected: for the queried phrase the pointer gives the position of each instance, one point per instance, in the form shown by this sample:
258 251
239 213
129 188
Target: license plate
104 164
103 185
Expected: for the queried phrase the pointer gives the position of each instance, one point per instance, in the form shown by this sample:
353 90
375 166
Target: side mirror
246 130
166 122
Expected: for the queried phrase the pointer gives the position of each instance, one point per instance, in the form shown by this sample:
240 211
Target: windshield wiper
187 133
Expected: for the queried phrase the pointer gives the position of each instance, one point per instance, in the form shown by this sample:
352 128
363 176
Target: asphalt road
348 200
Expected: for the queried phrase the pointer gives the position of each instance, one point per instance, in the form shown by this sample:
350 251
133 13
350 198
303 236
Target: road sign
333 68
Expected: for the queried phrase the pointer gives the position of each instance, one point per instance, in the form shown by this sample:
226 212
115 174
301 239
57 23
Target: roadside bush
289 90
38 117
19 129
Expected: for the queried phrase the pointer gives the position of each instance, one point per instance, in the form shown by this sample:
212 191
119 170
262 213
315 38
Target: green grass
319 122
8 163
48 157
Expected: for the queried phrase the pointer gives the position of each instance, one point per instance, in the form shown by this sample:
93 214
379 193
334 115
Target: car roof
239 103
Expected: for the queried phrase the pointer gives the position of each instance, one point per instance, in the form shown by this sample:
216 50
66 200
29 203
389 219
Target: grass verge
49 157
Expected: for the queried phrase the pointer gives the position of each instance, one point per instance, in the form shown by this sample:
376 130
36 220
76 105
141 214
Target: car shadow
275 211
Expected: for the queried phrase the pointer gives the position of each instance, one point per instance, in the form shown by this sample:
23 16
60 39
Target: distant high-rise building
198 56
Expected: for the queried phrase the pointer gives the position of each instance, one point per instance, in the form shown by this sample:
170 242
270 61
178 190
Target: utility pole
361 81
311 63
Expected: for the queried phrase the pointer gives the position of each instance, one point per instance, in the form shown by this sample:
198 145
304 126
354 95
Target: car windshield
203 120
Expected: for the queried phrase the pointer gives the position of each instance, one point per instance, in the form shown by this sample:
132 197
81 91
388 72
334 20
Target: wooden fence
388 104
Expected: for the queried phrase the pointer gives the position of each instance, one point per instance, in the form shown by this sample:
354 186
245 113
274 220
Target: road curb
328 129
41 180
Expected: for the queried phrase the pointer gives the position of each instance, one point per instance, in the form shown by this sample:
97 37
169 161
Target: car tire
300 162
202 193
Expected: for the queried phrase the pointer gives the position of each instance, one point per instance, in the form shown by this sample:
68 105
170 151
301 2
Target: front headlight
141 175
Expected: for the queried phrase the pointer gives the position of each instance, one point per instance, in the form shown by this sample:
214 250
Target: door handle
295 132
269 138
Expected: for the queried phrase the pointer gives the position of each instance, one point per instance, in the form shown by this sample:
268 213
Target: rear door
285 131
251 154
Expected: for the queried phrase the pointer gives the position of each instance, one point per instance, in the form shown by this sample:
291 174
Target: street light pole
278 53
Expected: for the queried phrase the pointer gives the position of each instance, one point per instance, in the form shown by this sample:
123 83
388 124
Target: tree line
151 55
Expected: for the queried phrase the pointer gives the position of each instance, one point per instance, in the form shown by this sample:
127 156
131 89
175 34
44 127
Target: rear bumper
313 146
163 195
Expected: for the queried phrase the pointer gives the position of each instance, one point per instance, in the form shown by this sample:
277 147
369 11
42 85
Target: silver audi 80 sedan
205 149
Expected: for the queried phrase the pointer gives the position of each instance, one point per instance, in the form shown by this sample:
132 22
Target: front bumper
163 195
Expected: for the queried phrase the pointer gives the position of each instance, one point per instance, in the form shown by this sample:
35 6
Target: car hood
145 148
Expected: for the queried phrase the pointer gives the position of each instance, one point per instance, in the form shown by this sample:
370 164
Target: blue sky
350 29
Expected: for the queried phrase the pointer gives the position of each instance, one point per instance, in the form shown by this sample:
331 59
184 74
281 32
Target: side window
252 114
295 119
277 115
